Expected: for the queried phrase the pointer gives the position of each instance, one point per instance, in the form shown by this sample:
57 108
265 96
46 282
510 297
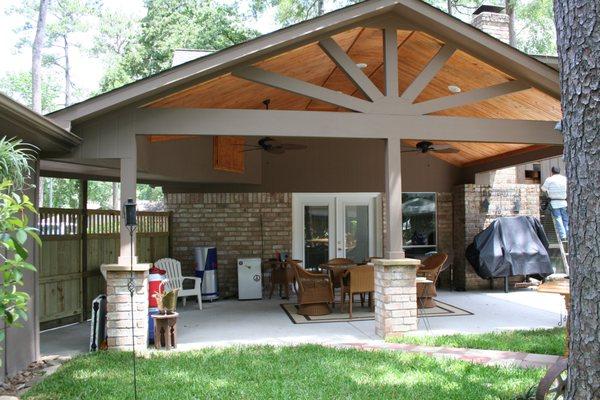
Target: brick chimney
492 20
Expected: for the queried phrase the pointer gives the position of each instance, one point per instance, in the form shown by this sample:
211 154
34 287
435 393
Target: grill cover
511 246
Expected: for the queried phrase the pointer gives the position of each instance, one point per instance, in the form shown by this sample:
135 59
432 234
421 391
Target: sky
87 70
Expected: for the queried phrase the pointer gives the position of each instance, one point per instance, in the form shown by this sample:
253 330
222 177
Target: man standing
556 187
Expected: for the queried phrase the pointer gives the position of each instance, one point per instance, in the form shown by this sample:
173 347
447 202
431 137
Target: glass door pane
316 235
357 232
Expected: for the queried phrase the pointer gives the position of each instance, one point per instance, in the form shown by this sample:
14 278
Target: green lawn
304 372
540 341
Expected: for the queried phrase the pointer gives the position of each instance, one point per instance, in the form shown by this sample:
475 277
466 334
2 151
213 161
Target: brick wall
494 24
445 233
475 207
232 223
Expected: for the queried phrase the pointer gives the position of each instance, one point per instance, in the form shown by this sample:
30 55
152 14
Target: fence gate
74 245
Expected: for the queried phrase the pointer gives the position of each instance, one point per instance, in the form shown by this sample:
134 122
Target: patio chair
336 275
176 279
358 280
430 268
314 291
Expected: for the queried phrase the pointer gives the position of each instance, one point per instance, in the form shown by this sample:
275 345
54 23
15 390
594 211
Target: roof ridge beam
302 88
349 67
472 96
428 73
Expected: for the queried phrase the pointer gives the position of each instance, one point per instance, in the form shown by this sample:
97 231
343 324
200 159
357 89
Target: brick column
395 296
118 319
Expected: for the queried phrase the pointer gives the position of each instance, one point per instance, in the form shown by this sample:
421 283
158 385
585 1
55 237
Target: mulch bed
19 383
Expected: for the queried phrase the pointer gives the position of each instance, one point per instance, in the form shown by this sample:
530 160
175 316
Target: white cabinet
249 279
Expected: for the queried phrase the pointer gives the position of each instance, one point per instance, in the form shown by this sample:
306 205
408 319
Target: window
419 223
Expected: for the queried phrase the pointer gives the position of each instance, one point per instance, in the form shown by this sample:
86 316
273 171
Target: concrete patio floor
231 322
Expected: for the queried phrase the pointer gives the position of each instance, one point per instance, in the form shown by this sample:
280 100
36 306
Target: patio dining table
281 275
339 270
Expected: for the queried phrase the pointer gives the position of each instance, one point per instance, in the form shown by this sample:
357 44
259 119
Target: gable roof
417 13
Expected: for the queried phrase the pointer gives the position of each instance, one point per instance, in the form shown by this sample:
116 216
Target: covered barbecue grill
511 246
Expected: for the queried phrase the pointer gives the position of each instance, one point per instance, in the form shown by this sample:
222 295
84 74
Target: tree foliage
15 159
65 193
15 162
14 233
70 17
538 33
172 24
18 85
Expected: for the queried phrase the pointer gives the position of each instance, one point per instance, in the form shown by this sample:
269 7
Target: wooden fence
75 244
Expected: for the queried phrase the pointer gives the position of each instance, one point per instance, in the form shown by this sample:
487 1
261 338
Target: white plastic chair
175 280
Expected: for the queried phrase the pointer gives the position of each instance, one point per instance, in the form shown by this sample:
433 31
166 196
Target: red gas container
155 277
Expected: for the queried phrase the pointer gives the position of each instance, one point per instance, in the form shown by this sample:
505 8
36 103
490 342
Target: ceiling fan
273 146
425 146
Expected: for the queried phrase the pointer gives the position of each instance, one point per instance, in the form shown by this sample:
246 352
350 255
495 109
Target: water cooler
206 268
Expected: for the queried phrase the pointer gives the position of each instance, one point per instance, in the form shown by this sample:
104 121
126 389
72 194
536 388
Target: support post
393 192
128 183
395 296
83 198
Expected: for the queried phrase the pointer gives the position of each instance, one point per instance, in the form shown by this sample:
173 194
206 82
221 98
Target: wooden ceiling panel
229 91
309 63
464 71
364 45
469 152
530 104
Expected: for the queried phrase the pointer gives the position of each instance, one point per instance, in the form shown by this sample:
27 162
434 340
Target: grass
539 341
261 372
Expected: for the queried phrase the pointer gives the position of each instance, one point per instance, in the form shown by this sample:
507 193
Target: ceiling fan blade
292 146
448 150
275 150
410 151
253 149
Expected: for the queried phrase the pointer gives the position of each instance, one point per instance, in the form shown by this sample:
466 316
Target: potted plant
166 300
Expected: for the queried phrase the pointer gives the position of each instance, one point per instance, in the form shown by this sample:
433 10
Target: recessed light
454 89
361 65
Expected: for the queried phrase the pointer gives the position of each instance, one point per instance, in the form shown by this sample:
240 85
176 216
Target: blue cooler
206 268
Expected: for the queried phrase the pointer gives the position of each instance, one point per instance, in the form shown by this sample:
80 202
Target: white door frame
335 202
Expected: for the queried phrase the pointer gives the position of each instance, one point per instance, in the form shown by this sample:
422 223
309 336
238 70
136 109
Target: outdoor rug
364 314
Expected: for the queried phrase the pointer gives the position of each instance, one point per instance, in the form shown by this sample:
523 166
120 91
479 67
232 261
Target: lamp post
131 224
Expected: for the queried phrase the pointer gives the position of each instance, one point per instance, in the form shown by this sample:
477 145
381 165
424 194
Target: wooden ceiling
364 45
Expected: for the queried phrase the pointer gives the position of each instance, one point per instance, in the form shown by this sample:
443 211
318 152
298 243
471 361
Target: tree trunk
578 34
510 11
36 57
67 72
320 9
449 5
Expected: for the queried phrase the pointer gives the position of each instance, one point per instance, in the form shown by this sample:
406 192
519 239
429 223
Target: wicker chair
430 268
358 280
336 275
315 292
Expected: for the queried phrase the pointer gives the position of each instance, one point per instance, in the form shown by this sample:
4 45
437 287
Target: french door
334 225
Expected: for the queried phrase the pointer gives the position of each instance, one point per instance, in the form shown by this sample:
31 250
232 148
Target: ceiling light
454 89
361 65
